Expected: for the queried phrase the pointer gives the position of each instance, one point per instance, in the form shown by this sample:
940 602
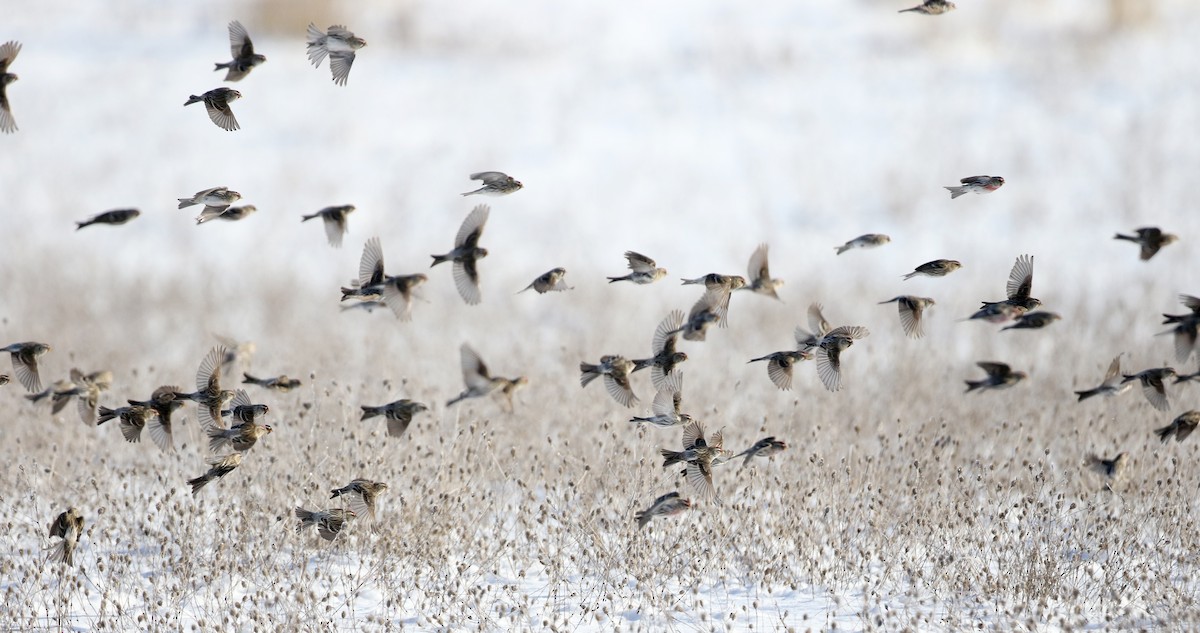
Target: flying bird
281 383
1150 239
25 363
935 268
69 527
645 270
550 281
114 217
662 346
220 466
339 44
870 240
495 183
699 454
215 200
399 414
766 447
1111 469
829 352
666 406
466 255
758 274
335 222
209 396
911 308
1153 385
232 214
667 505
1112 384
329 522
164 403
1033 321
931 7
706 311
361 494
397 292
1186 326
999 376
242 49
8 52
616 371
1180 427
216 102
1018 289
975 184
480 382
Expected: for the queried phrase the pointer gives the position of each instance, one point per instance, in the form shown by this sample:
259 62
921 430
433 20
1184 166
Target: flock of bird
701 452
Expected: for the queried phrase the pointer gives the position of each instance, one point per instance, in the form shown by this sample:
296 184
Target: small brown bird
361 494
133 420
231 214
665 358
87 393
466 254
24 362
69 526
241 437
699 455
242 49
216 102
164 403
667 405
1033 321
766 447
495 183
706 311
1112 469
870 240
1018 289
1180 427
1153 385
667 505
829 353
4 379
340 44
780 364
1111 386
476 377
714 281
911 308
932 7
616 371
280 383
209 396
644 270
335 222
399 414
758 273
935 268
221 466
999 376
113 217
970 184
8 52
550 281
1151 239
329 522
809 341
215 200
1186 328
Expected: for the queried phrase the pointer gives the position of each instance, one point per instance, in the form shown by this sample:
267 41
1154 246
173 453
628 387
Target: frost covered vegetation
691 134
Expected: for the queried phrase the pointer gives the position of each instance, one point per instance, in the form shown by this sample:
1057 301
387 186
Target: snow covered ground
690 131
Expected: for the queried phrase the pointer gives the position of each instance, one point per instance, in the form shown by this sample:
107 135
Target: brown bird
1112 385
361 494
24 362
216 102
1180 427
1151 239
667 505
242 49
829 353
911 308
759 274
209 395
706 311
164 403
1033 321
1153 385
999 376
221 466
466 254
329 522
399 414
766 447
133 420
663 347
280 383
8 52
616 371
1112 469
69 526
699 455
335 222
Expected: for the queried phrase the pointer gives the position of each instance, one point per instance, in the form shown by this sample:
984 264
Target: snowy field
692 132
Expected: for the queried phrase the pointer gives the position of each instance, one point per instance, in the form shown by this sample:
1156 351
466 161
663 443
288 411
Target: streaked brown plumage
68 526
